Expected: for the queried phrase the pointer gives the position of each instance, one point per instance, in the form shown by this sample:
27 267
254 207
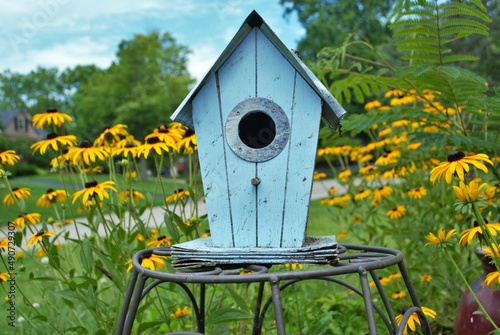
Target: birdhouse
256 115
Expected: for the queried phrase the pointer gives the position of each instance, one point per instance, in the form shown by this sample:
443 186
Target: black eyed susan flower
93 189
87 153
492 279
150 262
8 157
125 195
129 149
4 244
442 236
344 175
362 194
188 143
54 141
468 235
417 193
341 200
459 163
18 193
490 252
398 295
38 237
468 193
51 116
153 143
372 105
414 320
92 170
111 135
178 195
51 197
21 220
179 313
381 192
396 212
426 278
319 175
4 276
160 242
388 158
170 135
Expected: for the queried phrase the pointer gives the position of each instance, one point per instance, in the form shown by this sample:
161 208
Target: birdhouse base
201 253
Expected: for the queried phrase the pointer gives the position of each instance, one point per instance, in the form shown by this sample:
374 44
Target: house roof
332 112
7 116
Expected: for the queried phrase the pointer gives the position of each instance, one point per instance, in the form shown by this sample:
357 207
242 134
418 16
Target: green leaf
86 257
148 325
171 227
228 315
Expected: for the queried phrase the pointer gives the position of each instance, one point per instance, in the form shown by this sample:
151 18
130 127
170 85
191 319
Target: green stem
481 307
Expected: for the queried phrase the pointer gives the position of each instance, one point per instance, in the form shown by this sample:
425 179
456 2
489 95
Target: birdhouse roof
332 112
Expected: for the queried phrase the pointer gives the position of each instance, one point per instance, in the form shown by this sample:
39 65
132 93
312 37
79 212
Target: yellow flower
50 197
150 262
179 313
372 105
385 132
111 135
340 200
171 136
54 141
363 194
441 237
342 234
19 193
93 188
125 195
35 239
394 93
381 192
160 242
4 244
345 175
51 116
467 235
178 195
468 193
426 278
398 295
492 279
8 157
417 193
458 163
490 251
414 319
21 220
129 149
152 143
319 175
188 143
4 276
396 212
87 153
388 158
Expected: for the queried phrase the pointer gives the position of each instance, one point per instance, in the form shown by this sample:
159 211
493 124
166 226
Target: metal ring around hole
273 111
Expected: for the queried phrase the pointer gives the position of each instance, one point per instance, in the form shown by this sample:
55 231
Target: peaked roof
332 112
7 116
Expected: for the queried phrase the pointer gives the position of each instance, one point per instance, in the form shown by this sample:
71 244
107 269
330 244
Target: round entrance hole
257 130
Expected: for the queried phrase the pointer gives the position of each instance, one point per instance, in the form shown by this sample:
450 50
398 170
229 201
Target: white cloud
202 58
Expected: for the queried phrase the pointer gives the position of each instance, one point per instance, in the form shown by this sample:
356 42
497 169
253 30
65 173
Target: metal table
352 259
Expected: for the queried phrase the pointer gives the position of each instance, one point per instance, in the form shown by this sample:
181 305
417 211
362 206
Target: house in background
17 123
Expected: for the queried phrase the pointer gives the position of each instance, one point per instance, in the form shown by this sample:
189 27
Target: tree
141 89
329 22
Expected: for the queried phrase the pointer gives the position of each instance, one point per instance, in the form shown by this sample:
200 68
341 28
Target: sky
66 33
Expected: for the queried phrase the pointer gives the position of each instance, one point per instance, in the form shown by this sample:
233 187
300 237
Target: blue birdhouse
256 115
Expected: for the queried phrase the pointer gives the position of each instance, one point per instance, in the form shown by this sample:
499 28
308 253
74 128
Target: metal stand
360 259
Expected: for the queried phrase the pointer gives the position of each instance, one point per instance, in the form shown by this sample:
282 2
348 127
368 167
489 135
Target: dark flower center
40 233
180 190
188 133
15 189
50 190
163 129
130 145
455 156
85 144
52 110
161 237
92 183
51 136
153 140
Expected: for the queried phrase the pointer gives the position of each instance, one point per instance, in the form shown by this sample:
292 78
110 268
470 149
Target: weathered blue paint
272 212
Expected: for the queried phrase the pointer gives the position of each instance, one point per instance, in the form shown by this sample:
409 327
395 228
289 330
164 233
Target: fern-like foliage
425 29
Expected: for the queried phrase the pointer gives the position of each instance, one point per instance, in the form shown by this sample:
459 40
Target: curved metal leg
367 297
134 305
126 303
278 308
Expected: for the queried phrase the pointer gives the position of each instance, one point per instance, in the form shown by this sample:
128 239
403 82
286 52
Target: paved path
319 190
